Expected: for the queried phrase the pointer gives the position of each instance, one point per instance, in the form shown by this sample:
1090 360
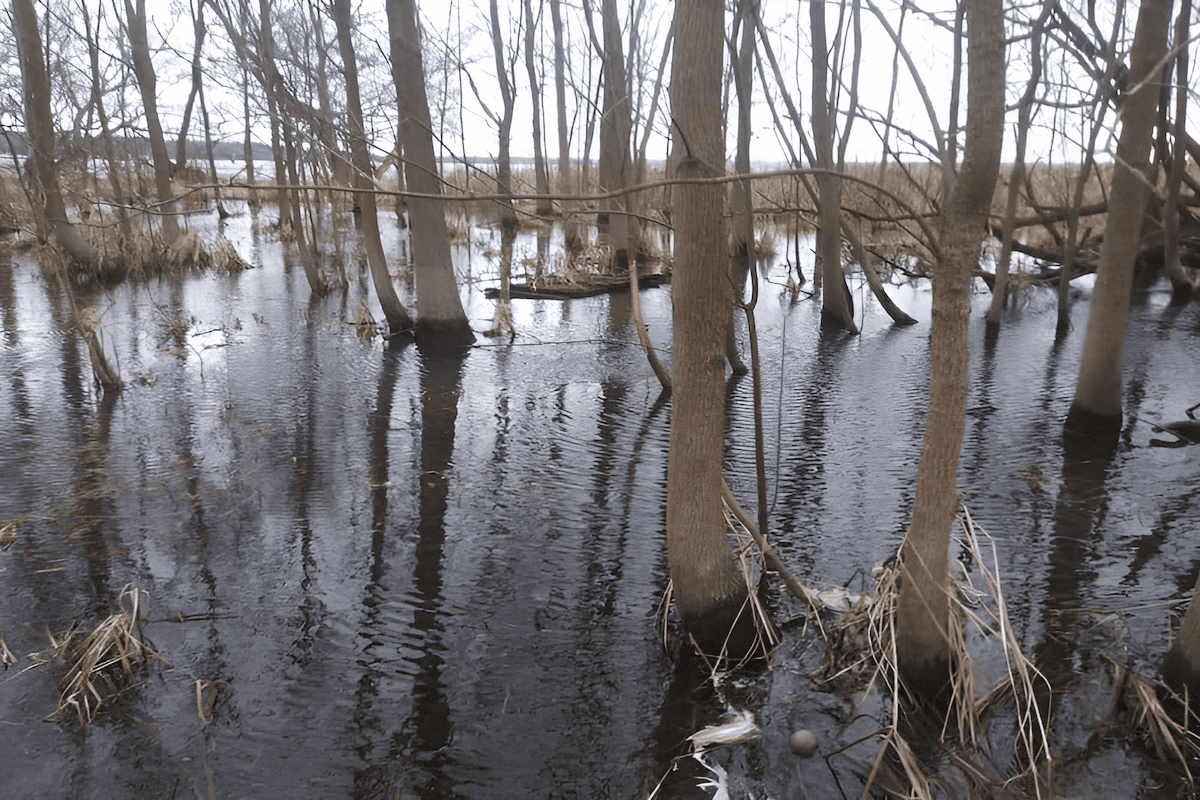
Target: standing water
376 571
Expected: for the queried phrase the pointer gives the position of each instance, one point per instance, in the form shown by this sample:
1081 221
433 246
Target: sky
458 27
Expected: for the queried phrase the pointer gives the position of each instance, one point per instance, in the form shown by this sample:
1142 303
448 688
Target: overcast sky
459 27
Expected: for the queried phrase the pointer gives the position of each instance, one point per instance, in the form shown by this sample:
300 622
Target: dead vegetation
102 665
860 657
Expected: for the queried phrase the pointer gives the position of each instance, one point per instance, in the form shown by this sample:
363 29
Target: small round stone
803 743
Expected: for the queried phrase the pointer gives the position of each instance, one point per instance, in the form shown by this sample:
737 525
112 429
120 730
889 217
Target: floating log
588 287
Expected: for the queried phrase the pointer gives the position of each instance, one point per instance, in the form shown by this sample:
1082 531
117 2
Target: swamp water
414 577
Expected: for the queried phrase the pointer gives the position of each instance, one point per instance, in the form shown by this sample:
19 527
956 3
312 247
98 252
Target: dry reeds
8 531
190 251
102 664
6 656
861 650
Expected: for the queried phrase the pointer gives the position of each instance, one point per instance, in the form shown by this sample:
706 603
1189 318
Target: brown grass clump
103 664
190 251
861 649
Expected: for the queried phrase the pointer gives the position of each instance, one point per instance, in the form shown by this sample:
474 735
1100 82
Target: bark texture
923 610
709 589
1095 416
615 126
836 304
439 308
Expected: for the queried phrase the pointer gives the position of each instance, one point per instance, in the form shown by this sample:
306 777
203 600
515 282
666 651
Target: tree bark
143 70
837 306
708 586
562 181
397 316
1181 666
1095 416
923 609
1182 286
741 201
440 312
39 124
612 224
541 179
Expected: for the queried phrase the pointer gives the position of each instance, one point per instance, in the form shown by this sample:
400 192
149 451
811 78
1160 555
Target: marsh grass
101 666
861 657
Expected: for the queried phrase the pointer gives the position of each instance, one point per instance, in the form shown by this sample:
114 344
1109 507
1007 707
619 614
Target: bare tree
441 316
1017 178
562 179
110 153
612 223
1182 286
40 125
541 179
200 31
398 318
709 589
837 306
1095 416
922 614
143 69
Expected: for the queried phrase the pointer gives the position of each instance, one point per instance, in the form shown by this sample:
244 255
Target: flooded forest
606 400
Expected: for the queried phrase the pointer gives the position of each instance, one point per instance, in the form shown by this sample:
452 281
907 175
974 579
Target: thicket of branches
263 80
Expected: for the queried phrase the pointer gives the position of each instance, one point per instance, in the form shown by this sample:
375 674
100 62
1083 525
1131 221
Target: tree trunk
1182 286
741 201
612 224
1181 666
440 311
508 216
397 316
40 127
110 153
143 70
562 181
922 614
1095 416
200 31
837 305
708 586
1024 119
247 140
541 179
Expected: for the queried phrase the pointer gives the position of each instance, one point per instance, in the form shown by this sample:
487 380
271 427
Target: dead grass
8 531
101 666
6 656
861 655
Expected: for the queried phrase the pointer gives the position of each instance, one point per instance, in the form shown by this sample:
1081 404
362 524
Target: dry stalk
8 531
206 698
861 648
6 656
1173 739
89 681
